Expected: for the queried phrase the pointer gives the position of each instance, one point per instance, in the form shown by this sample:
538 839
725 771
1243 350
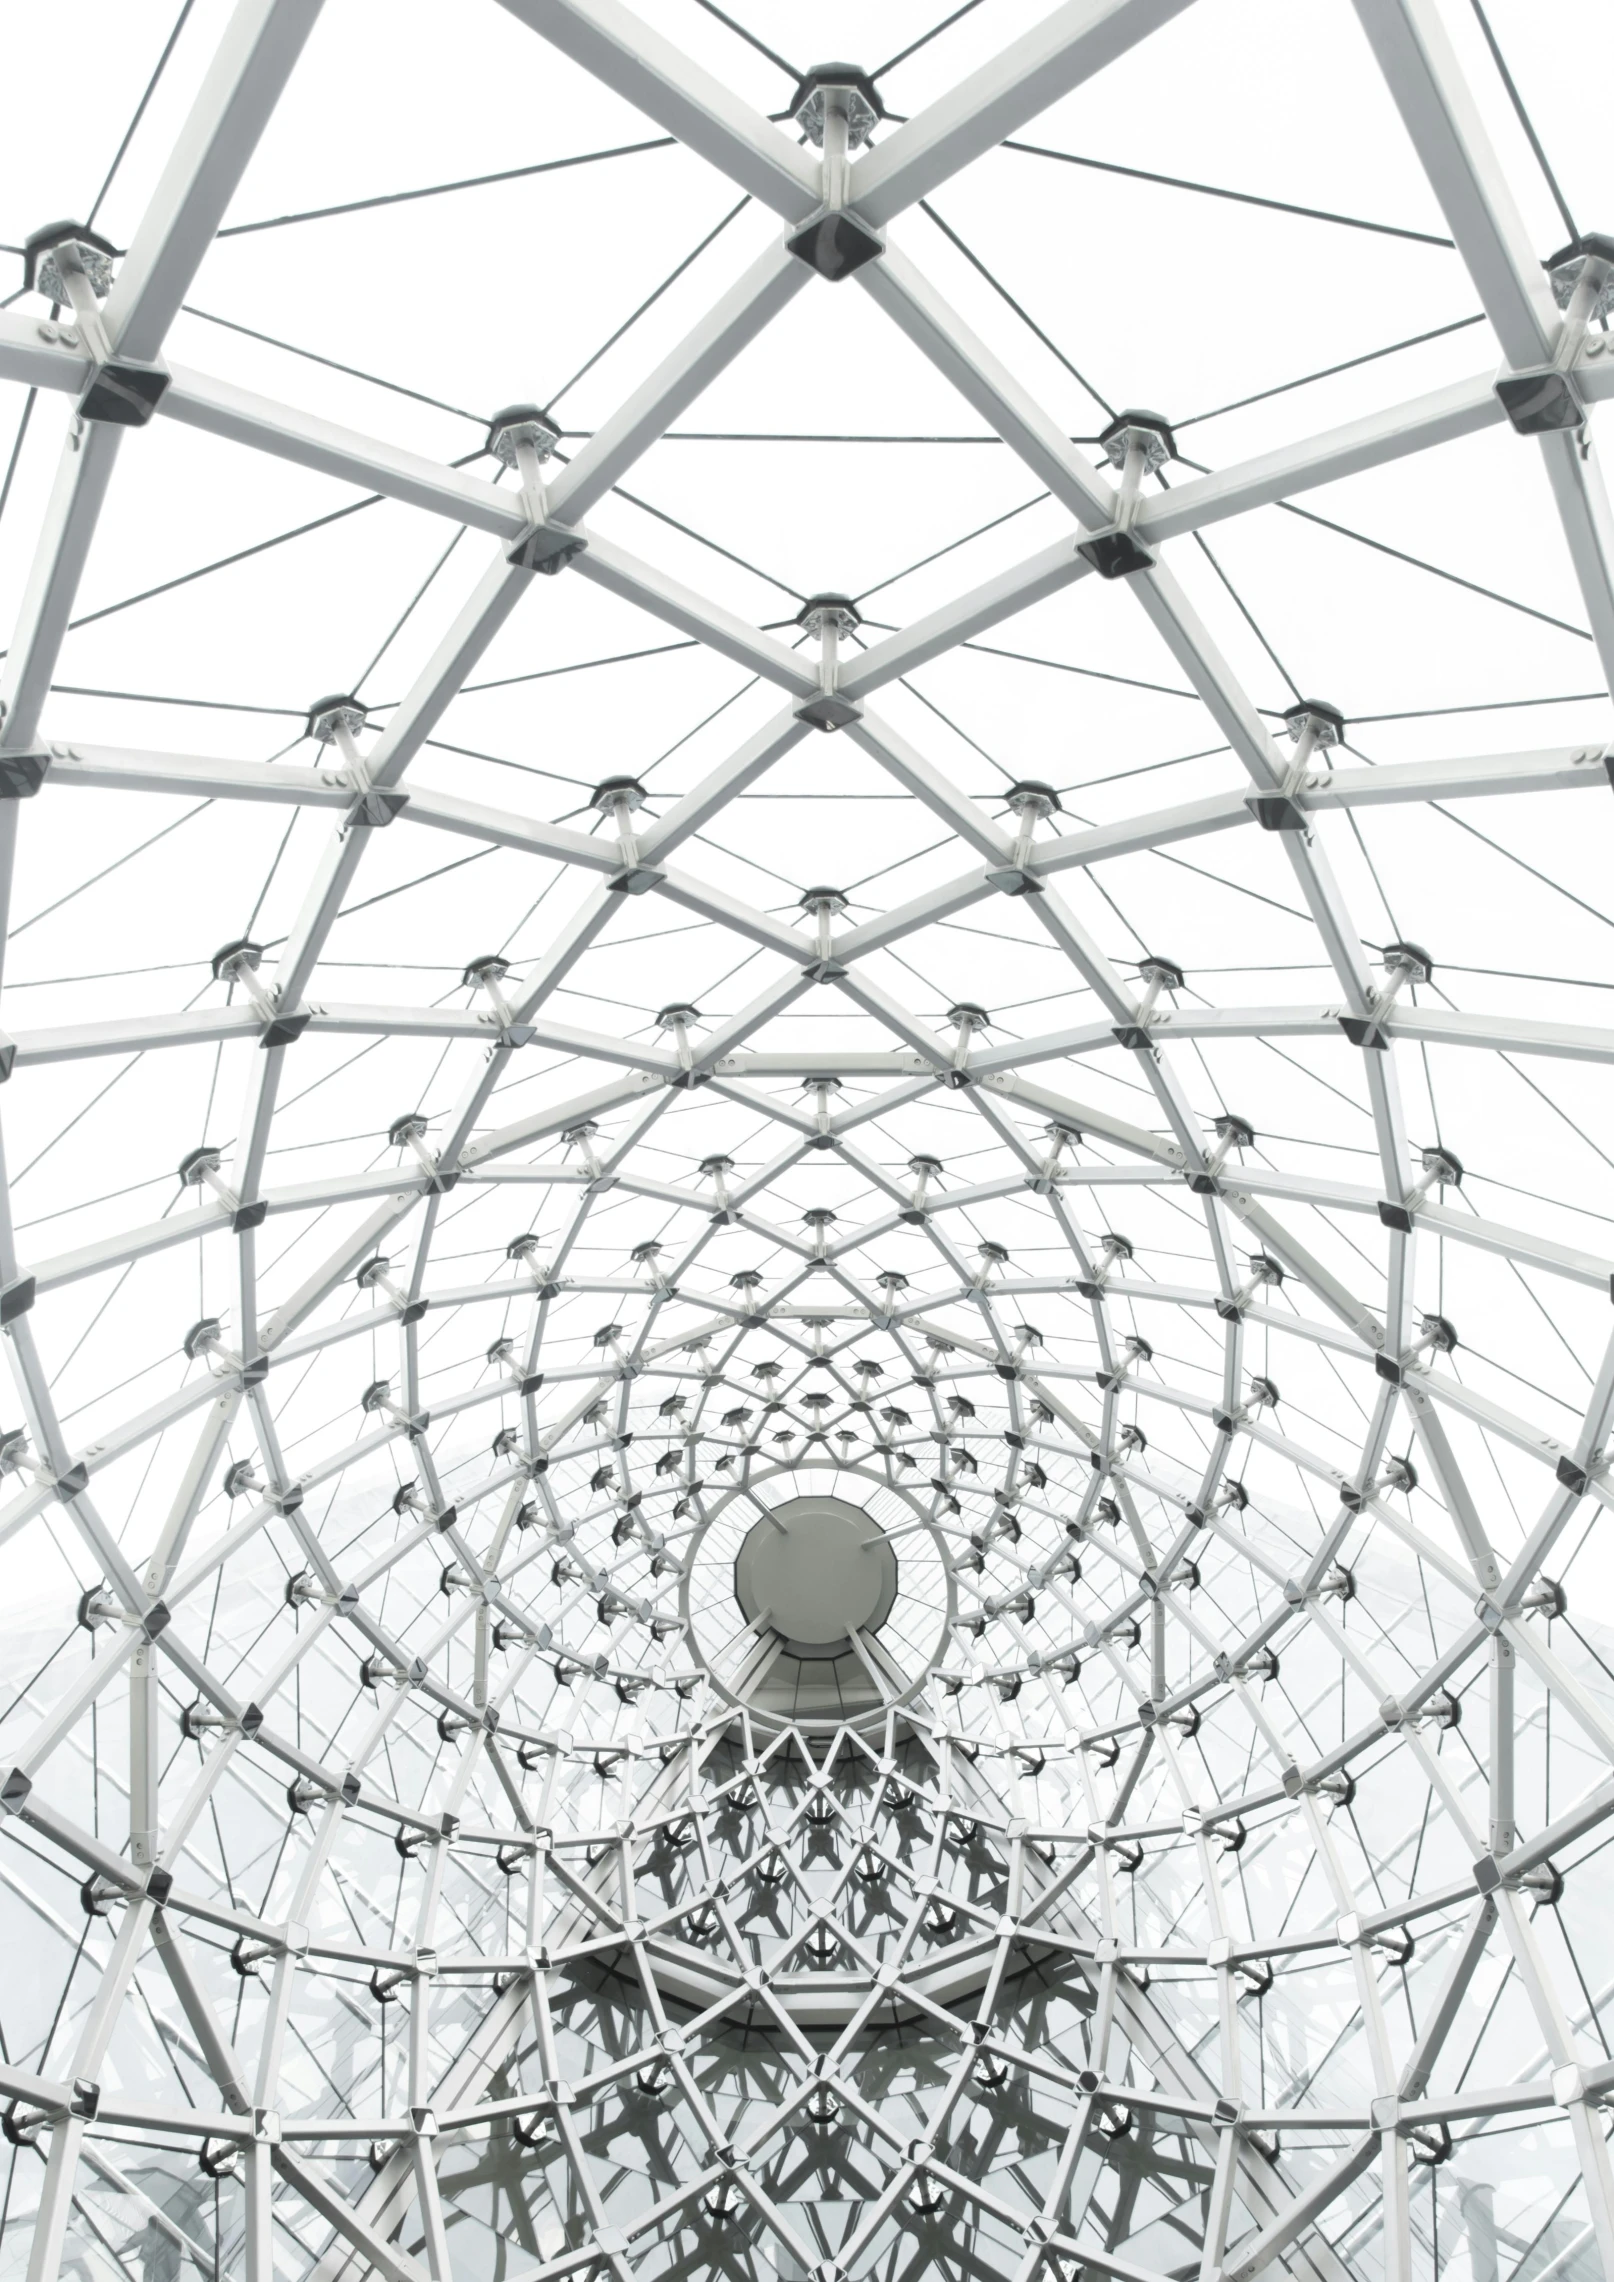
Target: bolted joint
1137 444
486 974
523 438
1157 975
1409 961
336 721
1232 1133
1404 964
829 619
1031 803
1235 1133
1313 725
581 1137
1587 260
525 1249
238 962
1540 402
1060 1138
966 1019
678 1018
837 614
1442 1167
1032 797
1144 435
205 1337
1436 1335
72 264
201 1167
61 251
823 905
830 88
620 799
409 1132
991 1256
617 792
1160 974
1582 276
235 962
837 107
521 427
835 243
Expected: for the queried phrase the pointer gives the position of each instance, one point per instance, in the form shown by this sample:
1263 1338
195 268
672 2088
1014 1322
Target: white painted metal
493 1837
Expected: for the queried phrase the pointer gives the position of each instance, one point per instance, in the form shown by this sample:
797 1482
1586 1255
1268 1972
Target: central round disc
820 1568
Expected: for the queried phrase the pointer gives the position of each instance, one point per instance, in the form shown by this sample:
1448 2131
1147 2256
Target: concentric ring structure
807 1271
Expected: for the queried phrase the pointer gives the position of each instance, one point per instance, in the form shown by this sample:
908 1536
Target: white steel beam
240 416
245 81
752 302
607 565
1071 45
1413 51
646 70
985 383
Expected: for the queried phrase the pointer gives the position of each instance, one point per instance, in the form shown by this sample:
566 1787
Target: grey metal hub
816 1570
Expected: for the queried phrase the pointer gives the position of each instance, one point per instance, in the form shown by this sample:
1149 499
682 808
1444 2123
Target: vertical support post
1503 1666
143 1761
1219 2204
258 2178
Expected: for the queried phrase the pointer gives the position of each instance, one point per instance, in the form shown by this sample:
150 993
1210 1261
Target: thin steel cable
404 887
580 665
1524 119
1008 516
750 38
1088 673
444 189
797 436
333 364
140 111
1491 705
28 404
1244 612
227 562
107 870
1434 570
700 539
648 302
1238 197
999 288
1329 371
1511 856
204 704
413 604
936 30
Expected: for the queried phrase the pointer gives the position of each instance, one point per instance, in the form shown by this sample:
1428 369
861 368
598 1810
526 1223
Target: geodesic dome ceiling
808 1248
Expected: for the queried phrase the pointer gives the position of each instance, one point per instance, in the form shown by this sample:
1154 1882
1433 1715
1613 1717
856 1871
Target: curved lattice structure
811 1333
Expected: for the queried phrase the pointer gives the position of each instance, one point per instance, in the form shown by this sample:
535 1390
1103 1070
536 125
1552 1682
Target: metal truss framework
657 1882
